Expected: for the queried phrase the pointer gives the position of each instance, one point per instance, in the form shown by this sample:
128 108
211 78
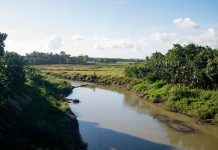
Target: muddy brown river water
112 119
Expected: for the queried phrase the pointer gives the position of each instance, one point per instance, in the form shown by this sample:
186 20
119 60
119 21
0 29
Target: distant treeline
191 65
40 58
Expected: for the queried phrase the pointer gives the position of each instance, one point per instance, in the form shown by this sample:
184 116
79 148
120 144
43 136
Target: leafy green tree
3 37
191 65
14 73
4 90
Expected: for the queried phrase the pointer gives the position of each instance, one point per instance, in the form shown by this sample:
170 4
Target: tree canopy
3 37
39 58
191 65
12 72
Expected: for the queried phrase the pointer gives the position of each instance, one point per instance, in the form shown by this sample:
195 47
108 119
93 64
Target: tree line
40 58
191 65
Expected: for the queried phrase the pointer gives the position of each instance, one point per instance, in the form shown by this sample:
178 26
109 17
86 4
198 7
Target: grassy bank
202 104
47 122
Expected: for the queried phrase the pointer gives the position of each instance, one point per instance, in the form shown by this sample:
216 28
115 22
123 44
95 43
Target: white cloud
186 22
23 46
55 42
162 36
108 42
78 38
206 37
112 46
52 44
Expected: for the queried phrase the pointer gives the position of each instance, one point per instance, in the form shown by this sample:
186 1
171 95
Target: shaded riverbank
47 122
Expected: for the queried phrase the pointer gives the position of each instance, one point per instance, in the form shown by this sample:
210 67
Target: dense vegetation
178 79
39 58
12 72
198 103
191 65
47 122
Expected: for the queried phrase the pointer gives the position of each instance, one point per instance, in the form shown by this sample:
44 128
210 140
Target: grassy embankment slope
202 104
47 122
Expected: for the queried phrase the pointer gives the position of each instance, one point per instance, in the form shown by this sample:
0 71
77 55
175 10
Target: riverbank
47 122
201 104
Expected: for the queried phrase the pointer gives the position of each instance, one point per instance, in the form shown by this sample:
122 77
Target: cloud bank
186 22
116 46
55 42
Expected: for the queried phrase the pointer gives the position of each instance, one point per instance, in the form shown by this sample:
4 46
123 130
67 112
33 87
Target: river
112 119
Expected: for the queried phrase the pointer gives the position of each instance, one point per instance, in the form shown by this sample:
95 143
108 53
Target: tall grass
198 103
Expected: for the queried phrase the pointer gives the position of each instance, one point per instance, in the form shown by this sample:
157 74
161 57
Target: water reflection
125 121
204 137
106 139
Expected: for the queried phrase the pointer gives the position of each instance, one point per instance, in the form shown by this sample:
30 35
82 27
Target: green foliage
191 65
13 70
178 92
137 70
91 78
141 87
64 107
12 75
39 58
5 91
34 75
53 86
44 124
202 104
197 103
151 76
159 84
153 91
3 37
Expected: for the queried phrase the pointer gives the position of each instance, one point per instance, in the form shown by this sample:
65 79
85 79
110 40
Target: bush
178 92
141 87
191 65
13 70
151 77
159 84
64 107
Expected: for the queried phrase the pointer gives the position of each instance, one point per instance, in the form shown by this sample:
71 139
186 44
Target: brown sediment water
112 119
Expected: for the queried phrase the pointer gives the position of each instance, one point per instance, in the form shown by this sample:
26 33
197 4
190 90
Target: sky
107 28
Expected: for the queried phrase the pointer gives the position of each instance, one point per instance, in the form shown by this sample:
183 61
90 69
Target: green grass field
113 70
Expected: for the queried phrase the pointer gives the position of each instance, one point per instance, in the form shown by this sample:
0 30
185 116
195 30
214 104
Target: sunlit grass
99 69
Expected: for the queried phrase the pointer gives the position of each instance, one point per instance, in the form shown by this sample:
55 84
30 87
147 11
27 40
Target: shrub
178 92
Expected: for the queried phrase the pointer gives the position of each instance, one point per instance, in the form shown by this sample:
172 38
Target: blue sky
107 28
